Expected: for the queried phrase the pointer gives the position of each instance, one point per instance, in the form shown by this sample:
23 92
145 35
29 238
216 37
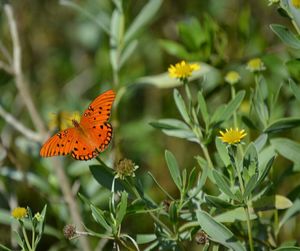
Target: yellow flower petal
19 212
182 70
232 136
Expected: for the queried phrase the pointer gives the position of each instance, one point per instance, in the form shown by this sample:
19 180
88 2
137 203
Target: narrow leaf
222 151
287 148
122 206
181 106
218 232
203 108
286 35
282 125
127 52
173 168
99 217
250 185
295 89
144 17
237 214
222 184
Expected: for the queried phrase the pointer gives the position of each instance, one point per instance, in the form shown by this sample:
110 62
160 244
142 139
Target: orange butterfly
88 137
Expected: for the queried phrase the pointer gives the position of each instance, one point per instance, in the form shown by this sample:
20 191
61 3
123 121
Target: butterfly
90 136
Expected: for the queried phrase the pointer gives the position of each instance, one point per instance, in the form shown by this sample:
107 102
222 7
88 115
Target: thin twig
39 124
17 69
19 126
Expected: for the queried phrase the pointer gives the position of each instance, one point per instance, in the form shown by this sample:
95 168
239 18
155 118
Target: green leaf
174 48
102 20
127 52
287 148
189 31
173 212
99 217
121 209
272 202
286 35
237 214
144 17
223 184
145 238
251 157
41 224
251 185
287 249
203 108
261 141
192 179
104 176
20 241
293 70
265 171
282 125
3 248
181 106
173 168
175 128
222 151
295 88
218 232
218 203
117 30
229 109
170 124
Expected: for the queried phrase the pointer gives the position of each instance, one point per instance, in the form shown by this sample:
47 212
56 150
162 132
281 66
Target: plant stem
206 155
33 237
26 238
249 228
151 214
235 123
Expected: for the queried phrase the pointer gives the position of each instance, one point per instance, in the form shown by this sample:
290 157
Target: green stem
276 224
33 237
249 228
156 219
26 238
235 123
206 155
247 209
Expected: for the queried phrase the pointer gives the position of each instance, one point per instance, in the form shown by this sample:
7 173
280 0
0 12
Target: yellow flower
19 213
182 70
125 167
296 3
232 136
232 77
255 65
62 120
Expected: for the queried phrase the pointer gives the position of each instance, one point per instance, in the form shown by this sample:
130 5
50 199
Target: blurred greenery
74 50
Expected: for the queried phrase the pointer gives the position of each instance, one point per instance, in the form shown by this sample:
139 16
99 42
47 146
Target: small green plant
28 223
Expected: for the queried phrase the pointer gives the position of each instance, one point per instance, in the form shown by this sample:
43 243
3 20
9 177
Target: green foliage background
66 60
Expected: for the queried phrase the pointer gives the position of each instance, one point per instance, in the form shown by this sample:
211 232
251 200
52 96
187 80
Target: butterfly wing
69 141
91 136
94 121
99 110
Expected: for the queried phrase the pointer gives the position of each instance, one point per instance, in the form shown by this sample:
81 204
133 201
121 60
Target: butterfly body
90 136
